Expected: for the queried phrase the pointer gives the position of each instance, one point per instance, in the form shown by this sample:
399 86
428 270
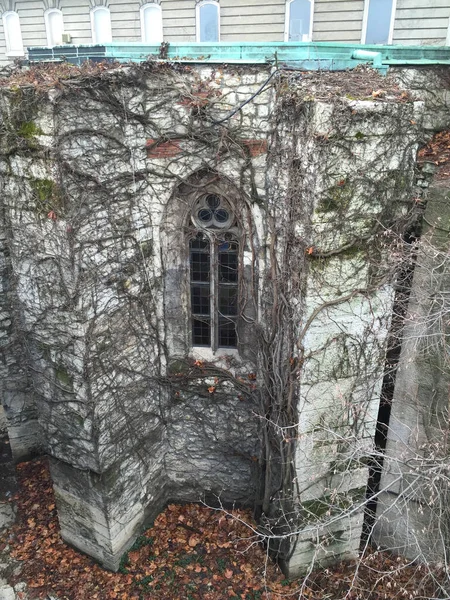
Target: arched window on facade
13 34
208 21
151 24
101 25
54 26
214 258
378 21
299 20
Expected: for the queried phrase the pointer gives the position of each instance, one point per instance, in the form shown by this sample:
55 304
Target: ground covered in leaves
191 553
437 151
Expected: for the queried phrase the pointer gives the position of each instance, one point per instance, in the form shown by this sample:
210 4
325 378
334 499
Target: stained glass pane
200 261
228 265
200 243
213 201
228 300
200 299
201 332
227 333
221 215
205 215
199 266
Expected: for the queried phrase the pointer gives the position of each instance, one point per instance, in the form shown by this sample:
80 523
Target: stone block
7 514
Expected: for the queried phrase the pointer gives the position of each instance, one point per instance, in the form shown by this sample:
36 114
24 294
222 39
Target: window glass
299 20
13 35
101 25
55 27
214 282
151 23
200 260
378 21
208 27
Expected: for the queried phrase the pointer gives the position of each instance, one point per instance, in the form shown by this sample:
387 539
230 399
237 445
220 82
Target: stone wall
101 173
413 504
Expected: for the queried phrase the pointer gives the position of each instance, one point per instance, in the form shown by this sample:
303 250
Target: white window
151 24
378 21
54 25
101 25
208 21
13 35
299 20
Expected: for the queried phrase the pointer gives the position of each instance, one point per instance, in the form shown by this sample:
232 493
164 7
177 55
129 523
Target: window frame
366 19
47 13
212 236
287 17
198 8
142 10
98 9
10 52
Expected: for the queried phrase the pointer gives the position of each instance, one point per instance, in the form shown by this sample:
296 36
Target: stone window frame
214 234
176 231
365 22
288 20
48 26
153 6
9 34
198 8
106 36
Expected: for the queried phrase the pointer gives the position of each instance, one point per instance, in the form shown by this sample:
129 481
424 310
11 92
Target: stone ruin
146 380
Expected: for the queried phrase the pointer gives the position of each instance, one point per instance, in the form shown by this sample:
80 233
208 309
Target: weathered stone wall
100 177
413 506
357 173
412 513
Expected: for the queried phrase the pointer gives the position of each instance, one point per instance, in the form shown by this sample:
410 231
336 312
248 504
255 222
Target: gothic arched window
213 253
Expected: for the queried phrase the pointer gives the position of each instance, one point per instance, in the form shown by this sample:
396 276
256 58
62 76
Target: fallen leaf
193 541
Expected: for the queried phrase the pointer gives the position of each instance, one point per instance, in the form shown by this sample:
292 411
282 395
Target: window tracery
213 253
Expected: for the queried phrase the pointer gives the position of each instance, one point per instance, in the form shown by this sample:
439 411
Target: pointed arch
203 263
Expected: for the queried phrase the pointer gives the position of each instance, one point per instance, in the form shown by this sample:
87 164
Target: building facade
197 284
27 23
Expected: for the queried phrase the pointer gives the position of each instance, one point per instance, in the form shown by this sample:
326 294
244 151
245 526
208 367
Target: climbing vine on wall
99 163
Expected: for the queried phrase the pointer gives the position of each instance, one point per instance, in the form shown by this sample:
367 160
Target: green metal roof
302 55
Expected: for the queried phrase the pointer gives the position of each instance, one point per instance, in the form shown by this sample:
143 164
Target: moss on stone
46 194
64 378
337 198
28 130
